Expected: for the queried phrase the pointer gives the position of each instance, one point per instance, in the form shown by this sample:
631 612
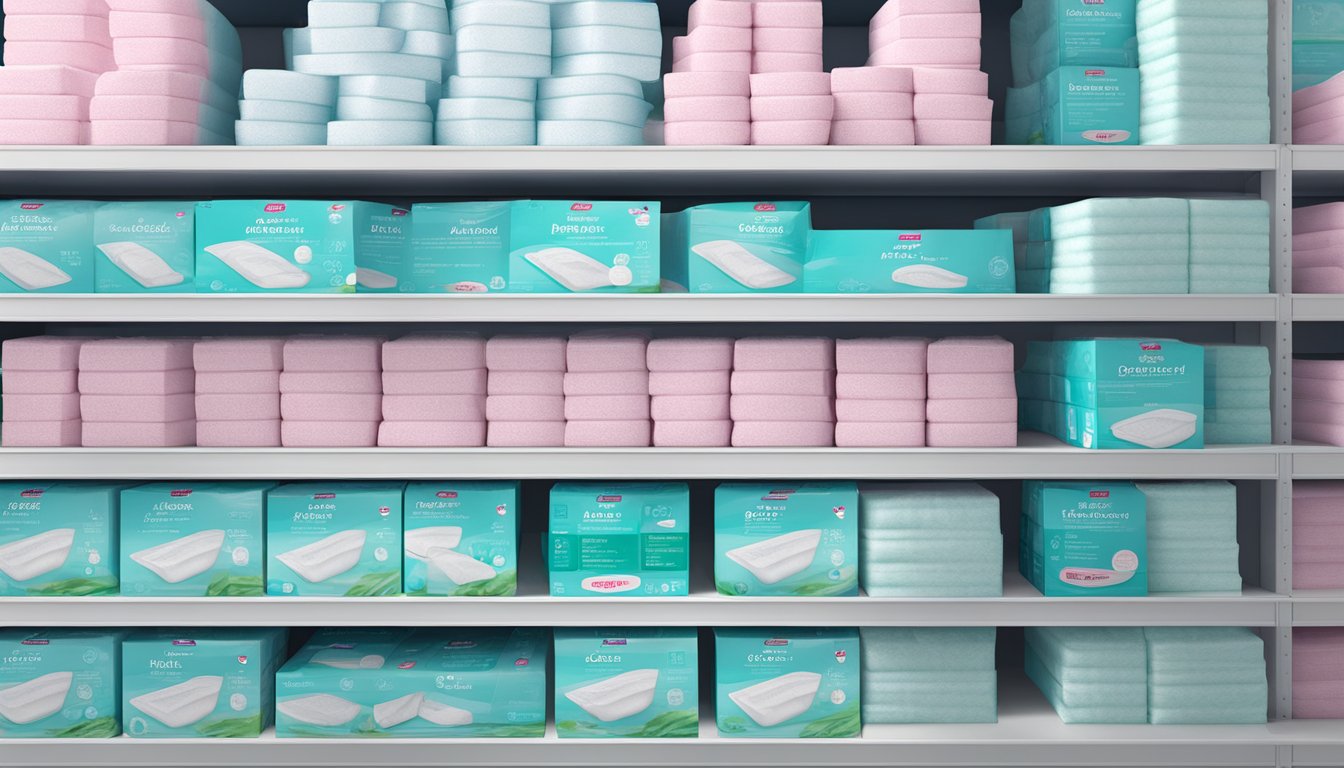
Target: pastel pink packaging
428 434
470 382
238 434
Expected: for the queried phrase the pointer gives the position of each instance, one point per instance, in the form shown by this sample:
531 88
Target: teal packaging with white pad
461 538
60 683
737 247
622 540
640 683
47 246
787 683
145 247
58 539
459 248
584 247
896 261
335 539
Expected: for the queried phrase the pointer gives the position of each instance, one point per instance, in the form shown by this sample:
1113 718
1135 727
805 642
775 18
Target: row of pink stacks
1318 248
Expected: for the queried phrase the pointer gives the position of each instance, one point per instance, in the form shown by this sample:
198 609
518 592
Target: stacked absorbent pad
1318 673
690 385
586 110
607 391
880 392
783 392
1192 536
930 540
434 389
1204 71
41 392
1318 249
53 55
1229 246
1318 113
1199 675
792 108
1318 401
707 94
972 394
873 105
132 393
929 675
331 392
1091 674
526 402
282 108
502 39
1236 395
952 106
1318 535
487 111
237 386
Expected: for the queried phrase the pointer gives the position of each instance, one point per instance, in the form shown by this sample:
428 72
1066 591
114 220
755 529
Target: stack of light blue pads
591 109
930 540
283 108
502 38
1236 395
1229 246
1091 674
1202 675
1192 536
929 675
488 111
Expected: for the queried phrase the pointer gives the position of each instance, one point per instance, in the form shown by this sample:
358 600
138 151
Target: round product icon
1125 560
241 556
303 254
621 276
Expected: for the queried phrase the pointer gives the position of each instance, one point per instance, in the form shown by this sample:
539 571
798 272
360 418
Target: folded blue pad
928 648
519 88
1150 12
502 64
409 15
927 506
1191 25
425 68
1104 208
635 15
641 67
1119 288
391 87
1226 286
1245 715
1244 416
1208 696
963 684
1177 274
1249 45
1150 264
1206 132
1158 114
1224 384
986 711
588 133
619 108
1238 434
255 133
1118 709
1159 582
1203 646
1207 254
932 580
486 132
284 111
367 108
951 549
1237 359
375 133
282 85
1101 647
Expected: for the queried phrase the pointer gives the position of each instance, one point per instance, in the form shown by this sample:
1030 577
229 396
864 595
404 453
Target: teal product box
787 683
200 683
737 248
459 248
47 246
627 683
145 247
1047 34
461 539
60 683
1318 20
1085 540
194 539
772 540
59 539
913 261
1083 105
584 247
1149 393
259 246
334 539
424 683
624 540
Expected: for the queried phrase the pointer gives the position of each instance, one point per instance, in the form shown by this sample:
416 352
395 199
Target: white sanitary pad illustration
616 697
180 559
182 704
776 700
397 711
31 557
460 568
327 557
420 540
928 276
29 271
262 268
742 265
141 264
1162 428
439 713
372 278
347 658
35 699
574 270
780 557
319 709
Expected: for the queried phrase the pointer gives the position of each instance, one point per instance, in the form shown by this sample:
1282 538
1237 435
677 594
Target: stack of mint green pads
929 675
1206 675
1091 674
1192 536
1236 395
930 540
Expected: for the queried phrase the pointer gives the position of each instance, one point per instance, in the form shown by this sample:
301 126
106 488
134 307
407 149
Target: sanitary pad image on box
896 261
211 683
638 683
1085 540
737 247
459 248
1076 106
1053 33
58 539
461 538
630 540
338 539
799 540
584 247
145 247
60 683
1150 393
787 683
47 246
193 540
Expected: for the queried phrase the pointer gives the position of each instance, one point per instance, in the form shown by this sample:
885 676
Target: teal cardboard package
787 683
47 246
640 683
60 683
584 247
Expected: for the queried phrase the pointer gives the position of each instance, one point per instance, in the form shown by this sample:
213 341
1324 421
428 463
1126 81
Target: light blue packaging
1318 20
335 539
1085 540
772 540
1047 34
193 539
737 247
426 683
1149 393
200 683
58 539
262 246
1315 61
624 540
459 248
60 683
145 247
584 247
47 246
461 538
896 261
627 683
787 683
1076 105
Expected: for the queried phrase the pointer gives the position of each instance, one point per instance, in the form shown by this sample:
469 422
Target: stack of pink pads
1318 113
1318 535
237 386
41 392
53 54
434 392
1318 673
1318 401
880 391
1318 249
972 394
526 402
791 108
133 393
783 392
690 381
873 105
331 392
607 391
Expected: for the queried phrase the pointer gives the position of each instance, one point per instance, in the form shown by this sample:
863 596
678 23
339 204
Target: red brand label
1095 72
1099 494
32 493
399 212
447 494
608 499
908 238
338 207
180 493
406 665
324 495
35 642
766 207
1151 347
776 642
615 641
275 207
188 643
30 206
520 662
581 207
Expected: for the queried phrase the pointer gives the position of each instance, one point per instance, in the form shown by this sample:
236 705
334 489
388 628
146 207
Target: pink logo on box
30 206
910 238
31 493
1094 73
776 642
581 207
179 493
447 494
766 207
275 208
400 212
1099 494
1151 347
608 499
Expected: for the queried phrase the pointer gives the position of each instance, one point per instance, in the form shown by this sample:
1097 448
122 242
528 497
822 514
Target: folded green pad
1119 647
923 506
1237 384
1192 582
1244 715
885 685
982 711
1244 416
928 648
1237 434
1203 646
1236 360
970 579
1192 131
1130 708
1218 399
1234 675
929 551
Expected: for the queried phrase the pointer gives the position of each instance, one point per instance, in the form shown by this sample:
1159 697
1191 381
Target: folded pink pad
62 407
714 61
867 411
692 434
1316 553
767 407
802 13
39 382
971 354
336 383
689 108
185 26
895 9
57 7
238 434
722 13
1329 131
41 353
180 85
1311 535
152 133
969 386
874 106
608 434
857 434
1316 257
803 382
329 434
992 410
784 353
1318 411
238 383
114 434
526 434
253 407
1318 280
182 55
952 132
951 106
690 408
44 132
90 57
323 407
983 435
1317 710
881 386
971 82
67 28
435 382
710 38
182 380
765 62
1328 434
787 40
710 134
334 353
929 52
889 133
137 408
113 108
434 407
688 84
37 81
1309 491
872 80
40 434
1311 218
791 84
1319 389
690 354
526 383
1318 575
598 353
791 133
792 107
524 408
783 434
1320 688
613 383
263 354
434 352
924 25
1312 96
882 355
1325 239
690 382
1332 370
525 353
431 434
599 407
1314 114
135 354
